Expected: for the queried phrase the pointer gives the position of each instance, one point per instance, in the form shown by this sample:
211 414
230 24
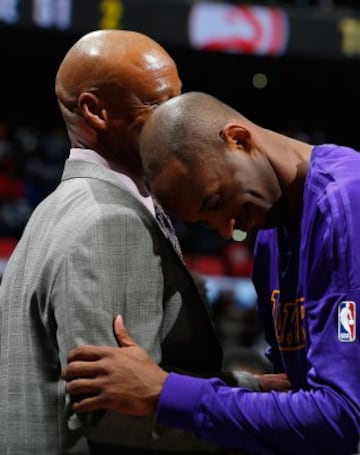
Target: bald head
204 161
107 85
105 59
182 129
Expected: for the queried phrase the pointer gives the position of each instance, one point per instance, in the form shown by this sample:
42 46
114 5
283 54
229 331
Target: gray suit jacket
91 250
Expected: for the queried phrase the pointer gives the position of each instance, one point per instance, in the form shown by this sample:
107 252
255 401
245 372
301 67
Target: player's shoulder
334 169
332 190
336 161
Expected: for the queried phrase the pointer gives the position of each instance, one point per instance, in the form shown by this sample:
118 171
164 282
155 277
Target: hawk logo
244 29
347 321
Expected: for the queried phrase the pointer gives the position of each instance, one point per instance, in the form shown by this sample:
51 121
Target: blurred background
292 66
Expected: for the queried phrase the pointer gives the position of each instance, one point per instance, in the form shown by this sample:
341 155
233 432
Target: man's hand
124 379
277 382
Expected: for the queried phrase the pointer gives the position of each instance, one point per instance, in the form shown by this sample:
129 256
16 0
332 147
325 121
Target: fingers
77 369
92 353
122 335
270 381
94 403
82 387
88 353
89 404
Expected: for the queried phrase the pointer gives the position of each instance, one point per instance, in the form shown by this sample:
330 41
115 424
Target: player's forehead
181 188
172 181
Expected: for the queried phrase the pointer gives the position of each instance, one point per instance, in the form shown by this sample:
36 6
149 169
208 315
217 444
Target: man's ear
237 135
93 110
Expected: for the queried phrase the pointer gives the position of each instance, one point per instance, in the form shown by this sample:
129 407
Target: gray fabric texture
91 250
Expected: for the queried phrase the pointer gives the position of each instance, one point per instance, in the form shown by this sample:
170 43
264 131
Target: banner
210 26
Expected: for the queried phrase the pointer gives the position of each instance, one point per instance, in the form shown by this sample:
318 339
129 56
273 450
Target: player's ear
236 135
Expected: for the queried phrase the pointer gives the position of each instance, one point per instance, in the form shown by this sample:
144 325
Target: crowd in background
30 167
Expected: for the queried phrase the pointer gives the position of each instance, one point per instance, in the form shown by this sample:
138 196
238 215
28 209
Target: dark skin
240 183
107 86
97 371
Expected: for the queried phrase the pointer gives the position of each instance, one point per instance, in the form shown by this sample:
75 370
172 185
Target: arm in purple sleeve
296 423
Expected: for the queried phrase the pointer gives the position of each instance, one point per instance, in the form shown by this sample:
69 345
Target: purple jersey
307 276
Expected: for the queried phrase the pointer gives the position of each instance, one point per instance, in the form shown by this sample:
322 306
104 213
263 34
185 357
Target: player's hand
279 382
124 379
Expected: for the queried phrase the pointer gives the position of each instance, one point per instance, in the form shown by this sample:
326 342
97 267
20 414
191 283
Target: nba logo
346 321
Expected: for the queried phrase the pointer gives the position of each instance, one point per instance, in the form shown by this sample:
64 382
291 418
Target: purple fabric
302 276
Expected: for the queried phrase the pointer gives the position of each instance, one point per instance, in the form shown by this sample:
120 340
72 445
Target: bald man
93 249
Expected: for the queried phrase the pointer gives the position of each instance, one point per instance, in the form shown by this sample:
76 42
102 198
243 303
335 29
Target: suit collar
76 167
